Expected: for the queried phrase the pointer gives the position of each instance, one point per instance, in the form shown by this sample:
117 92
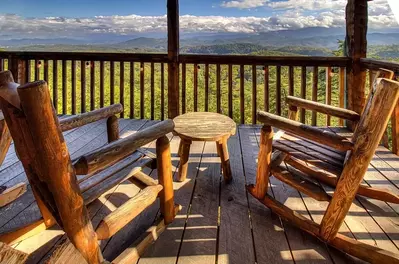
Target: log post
42 149
164 166
173 57
356 48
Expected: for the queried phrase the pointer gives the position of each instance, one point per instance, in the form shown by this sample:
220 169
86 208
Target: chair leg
184 153
166 196
225 160
259 190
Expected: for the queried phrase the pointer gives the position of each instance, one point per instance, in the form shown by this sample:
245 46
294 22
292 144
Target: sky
77 18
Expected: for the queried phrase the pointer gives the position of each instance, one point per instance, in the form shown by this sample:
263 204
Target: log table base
204 126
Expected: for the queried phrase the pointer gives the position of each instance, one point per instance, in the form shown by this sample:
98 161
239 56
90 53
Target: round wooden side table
204 126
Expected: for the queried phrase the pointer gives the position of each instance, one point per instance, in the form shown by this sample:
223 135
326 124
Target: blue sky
81 18
87 8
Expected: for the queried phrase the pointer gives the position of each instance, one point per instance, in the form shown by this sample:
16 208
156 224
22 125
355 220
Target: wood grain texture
75 121
366 139
324 137
60 194
116 220
117 150
323 108
204 126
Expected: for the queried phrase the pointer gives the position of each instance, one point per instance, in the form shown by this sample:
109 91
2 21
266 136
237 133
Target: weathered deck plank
247 231
269 234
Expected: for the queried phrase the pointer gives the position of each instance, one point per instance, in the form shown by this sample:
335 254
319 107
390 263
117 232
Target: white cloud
16 26
244 4
309 4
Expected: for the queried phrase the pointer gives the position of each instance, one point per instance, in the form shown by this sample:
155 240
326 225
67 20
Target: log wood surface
117 150
318 135
39 132
366 139
203 126
72 122
323 108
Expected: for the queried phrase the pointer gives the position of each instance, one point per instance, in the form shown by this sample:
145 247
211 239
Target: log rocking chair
63 188
302 154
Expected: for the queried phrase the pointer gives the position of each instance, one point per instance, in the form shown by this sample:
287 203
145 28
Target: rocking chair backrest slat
381 102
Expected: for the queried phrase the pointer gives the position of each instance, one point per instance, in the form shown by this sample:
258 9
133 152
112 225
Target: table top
204 126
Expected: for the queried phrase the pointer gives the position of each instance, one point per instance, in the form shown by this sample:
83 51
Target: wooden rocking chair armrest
323 108
110 154
312 133
90 117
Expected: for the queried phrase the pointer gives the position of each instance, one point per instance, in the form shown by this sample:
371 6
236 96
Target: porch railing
235 85
391 137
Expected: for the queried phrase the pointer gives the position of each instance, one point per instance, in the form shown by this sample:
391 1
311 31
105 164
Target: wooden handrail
86 56
373 64
265 60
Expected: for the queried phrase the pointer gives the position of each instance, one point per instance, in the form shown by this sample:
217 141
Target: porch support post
173 57
356 48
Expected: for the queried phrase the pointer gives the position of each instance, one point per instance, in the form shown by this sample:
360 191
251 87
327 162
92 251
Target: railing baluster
266 88
112 82
195 87
278 90
55 84
183 88
218 95
131 114
152 92
341 91
328 92
242 94
162 91
92 85
142 90
122 87
45 71
73 76
37 70
230 92
64 87
291 80
28 70
254 94
314 92
303 91
206 87
83 86
101 83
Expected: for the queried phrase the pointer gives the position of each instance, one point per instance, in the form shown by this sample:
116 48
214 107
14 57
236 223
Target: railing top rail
266 60
184 58
86 56
374 64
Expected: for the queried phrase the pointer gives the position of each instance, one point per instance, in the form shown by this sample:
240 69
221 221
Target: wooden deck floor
219 223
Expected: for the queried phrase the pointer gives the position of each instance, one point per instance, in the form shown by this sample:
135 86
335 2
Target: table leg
225 159
184 150
180 148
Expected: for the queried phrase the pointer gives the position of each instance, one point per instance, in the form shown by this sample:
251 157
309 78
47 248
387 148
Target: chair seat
92 186
311 152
